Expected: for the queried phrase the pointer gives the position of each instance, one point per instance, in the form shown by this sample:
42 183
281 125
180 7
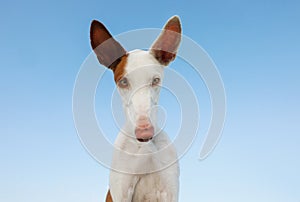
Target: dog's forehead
140 61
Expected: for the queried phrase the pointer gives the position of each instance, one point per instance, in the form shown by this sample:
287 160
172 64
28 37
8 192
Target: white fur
150 170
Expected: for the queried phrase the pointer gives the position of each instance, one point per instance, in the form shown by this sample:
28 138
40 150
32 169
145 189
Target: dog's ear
107 49
165 46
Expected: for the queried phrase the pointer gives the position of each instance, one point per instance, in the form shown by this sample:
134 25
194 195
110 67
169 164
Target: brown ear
107 49
165 47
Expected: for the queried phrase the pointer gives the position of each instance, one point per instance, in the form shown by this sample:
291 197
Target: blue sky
255 45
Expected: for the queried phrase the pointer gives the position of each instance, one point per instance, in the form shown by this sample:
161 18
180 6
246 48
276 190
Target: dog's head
138 74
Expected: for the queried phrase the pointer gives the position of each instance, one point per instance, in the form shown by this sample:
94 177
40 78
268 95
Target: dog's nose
144 130
143 122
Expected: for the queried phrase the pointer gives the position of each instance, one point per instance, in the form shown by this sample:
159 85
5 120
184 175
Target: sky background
255 45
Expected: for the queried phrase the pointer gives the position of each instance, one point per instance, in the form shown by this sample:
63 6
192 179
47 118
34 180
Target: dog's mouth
144 140
144 134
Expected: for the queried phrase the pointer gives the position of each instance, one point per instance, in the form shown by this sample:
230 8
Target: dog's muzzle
144 130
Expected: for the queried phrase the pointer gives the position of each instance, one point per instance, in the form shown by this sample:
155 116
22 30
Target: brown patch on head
119 69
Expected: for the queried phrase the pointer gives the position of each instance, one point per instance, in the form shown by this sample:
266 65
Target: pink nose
144 130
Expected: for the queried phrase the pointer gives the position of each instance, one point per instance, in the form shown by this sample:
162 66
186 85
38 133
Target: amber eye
123 83
155 81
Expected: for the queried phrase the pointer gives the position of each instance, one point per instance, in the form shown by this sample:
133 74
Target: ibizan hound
147 160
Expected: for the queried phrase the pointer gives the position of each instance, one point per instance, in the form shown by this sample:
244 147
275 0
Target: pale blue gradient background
255 45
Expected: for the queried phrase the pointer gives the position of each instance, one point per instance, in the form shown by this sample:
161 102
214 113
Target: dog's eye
123 83
155 81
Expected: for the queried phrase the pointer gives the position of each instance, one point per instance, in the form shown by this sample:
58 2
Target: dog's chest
148 187
160 186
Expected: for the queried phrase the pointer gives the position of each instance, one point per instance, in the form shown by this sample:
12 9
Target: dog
145 165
